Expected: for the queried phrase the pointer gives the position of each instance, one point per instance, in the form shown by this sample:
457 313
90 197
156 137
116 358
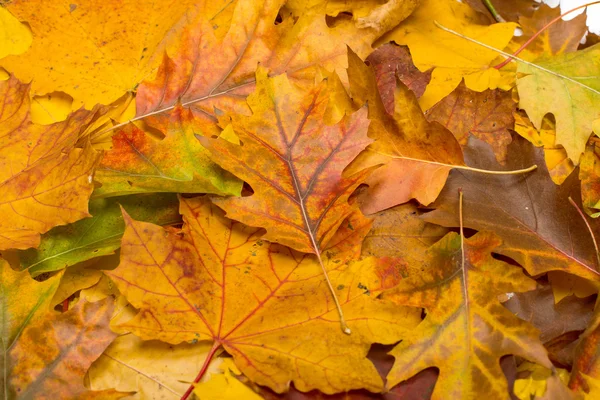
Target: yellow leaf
451 56
224 385
153 369
15 37
265 304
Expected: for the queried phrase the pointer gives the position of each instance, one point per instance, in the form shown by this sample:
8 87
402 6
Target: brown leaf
390 61
539 228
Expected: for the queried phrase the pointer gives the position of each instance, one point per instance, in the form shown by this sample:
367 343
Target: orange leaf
466 330
23 301
44 180
403 142
52 355
293 161
205 71
264 303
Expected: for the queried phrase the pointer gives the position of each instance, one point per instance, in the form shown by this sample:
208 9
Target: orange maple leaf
44 180
264 303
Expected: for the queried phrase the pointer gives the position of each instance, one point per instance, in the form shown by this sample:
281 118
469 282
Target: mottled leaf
44 180
53 354
466 330
139 163
293 161
487 115
23 301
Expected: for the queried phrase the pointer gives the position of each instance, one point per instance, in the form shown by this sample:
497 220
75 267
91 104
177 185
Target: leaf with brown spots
53 354
466 330
265 304
44 180
487 115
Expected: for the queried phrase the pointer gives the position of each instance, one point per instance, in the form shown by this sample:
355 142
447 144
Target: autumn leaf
539 227
138 163
97 236
52 355
390 61
95 50
18 310
152 369
403 143
466 330
571 92
487 115
510 10
15 38
44 180
265 304
589 173
225 385
451 57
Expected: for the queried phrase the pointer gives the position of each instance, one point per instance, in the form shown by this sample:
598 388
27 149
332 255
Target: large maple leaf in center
294 161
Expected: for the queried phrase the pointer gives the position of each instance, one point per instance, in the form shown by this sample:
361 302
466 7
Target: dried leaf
487 115
589 173
44 180
539 228
52 355
97 236
17 311
451 57
466 330
264 303
403 143
390 61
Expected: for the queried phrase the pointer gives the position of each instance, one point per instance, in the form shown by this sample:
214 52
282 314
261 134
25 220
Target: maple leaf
265 304
574 101
152 369
403 143
178 163
451 57
95 50
225 385
100 235
53 354
23 301
44 180
539 227
466 330
204 72
487 115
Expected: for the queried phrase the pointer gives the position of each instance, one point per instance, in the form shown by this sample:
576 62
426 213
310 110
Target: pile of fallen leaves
298 199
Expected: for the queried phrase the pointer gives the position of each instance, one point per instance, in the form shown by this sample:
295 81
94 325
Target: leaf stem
538 33
487 46
343 324
460 224
589 229
488 4
466 168
203 370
